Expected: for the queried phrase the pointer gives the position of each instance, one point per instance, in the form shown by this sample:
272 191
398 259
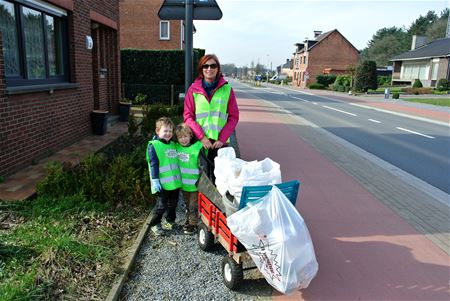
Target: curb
116 289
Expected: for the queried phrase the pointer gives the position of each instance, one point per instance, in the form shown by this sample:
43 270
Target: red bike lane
365 251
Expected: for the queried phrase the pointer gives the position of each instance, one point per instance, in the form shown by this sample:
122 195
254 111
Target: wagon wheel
205 238
232 273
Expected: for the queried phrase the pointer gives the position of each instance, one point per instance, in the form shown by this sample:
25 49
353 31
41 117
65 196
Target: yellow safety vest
169 171
188 162
212 116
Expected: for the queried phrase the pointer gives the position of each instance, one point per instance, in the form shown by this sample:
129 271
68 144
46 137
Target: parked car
278 78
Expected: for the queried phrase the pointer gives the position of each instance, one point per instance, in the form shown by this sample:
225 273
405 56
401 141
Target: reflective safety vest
212 116
188 162
169 172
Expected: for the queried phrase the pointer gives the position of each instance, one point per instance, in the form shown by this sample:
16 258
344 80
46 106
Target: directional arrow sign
203 10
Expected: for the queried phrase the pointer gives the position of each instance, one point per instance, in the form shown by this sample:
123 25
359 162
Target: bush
417 91
417 83
384 80
325 80
366 76
395 95
442 84
317 86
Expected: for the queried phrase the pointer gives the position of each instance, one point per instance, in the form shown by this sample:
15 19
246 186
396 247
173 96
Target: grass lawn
433 101
63 249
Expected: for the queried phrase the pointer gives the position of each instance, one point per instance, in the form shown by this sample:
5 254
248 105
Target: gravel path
173 267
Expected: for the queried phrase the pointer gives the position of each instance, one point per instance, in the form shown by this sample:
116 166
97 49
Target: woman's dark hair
203 61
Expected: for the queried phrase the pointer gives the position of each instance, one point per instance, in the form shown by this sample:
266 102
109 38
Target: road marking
348 113
315 103
300 99
412 132
373 120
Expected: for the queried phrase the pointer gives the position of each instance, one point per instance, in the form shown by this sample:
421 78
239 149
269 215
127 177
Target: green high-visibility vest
212 116
169 171
188 162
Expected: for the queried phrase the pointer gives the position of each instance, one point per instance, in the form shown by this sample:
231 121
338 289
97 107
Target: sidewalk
436 113
22 184
366 250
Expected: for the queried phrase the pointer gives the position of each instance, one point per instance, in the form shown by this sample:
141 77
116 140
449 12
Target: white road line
300 99
412 132
348 113
315 103
373 120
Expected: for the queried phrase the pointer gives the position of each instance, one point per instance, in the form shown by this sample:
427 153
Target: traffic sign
202 10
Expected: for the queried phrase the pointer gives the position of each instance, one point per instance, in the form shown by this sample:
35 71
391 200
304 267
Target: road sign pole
188 51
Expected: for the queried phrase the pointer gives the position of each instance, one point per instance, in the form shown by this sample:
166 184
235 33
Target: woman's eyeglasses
206 66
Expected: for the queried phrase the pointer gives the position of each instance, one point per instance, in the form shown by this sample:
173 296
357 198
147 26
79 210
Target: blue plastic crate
254 193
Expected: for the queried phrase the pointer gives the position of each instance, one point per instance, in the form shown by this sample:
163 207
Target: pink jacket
189 110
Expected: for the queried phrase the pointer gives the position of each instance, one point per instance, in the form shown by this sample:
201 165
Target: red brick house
141 28
328 52
59 62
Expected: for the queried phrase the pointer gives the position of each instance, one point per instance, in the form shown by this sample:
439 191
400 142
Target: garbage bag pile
233 173
276 237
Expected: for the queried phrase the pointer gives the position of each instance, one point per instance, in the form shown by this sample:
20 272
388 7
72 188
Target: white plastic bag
255 173
277 239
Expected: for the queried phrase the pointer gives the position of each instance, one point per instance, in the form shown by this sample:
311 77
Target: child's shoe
186 224
157 230
169 225
190 229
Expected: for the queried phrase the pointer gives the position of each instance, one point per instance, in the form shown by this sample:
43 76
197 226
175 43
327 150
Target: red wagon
213 228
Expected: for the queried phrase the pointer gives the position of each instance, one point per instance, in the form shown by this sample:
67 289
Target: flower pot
99 120
124 110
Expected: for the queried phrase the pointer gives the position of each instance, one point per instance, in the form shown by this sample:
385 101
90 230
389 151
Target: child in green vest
164 174
188 161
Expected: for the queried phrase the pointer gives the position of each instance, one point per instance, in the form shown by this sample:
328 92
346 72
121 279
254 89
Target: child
188 160
164 175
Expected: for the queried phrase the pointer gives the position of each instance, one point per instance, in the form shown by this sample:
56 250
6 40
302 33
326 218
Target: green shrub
395 95
316 86
92 174
417 83
417 91
140 99
443 84
326 80
61 180
366 76
384 80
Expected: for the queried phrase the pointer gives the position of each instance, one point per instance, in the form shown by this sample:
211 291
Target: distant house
141 28
59 61
328 52
427 62
286 68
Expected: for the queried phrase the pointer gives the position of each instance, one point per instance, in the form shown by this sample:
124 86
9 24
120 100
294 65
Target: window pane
34 43
10 41
54 41
164 30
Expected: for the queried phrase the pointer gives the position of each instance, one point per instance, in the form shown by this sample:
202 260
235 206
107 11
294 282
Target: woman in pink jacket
210 108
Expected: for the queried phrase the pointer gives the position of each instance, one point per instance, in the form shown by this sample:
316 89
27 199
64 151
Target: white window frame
160 30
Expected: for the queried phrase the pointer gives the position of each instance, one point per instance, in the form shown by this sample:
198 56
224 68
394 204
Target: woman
210 108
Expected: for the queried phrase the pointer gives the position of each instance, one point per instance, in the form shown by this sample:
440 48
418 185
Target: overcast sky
266 30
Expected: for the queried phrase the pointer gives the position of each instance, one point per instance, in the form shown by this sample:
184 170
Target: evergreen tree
366 76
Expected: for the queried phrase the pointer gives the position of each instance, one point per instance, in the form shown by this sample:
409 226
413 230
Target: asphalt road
417 147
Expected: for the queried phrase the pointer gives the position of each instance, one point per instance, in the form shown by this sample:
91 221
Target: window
35 47
412 71
164 30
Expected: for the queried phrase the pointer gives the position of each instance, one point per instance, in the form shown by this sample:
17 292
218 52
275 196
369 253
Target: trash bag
276 237
232 173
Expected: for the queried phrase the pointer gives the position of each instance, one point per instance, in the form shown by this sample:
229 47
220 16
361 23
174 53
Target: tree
437 30
386 43
421 24
366 76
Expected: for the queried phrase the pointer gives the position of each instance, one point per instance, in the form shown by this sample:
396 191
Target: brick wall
332 52
34 125
139 26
